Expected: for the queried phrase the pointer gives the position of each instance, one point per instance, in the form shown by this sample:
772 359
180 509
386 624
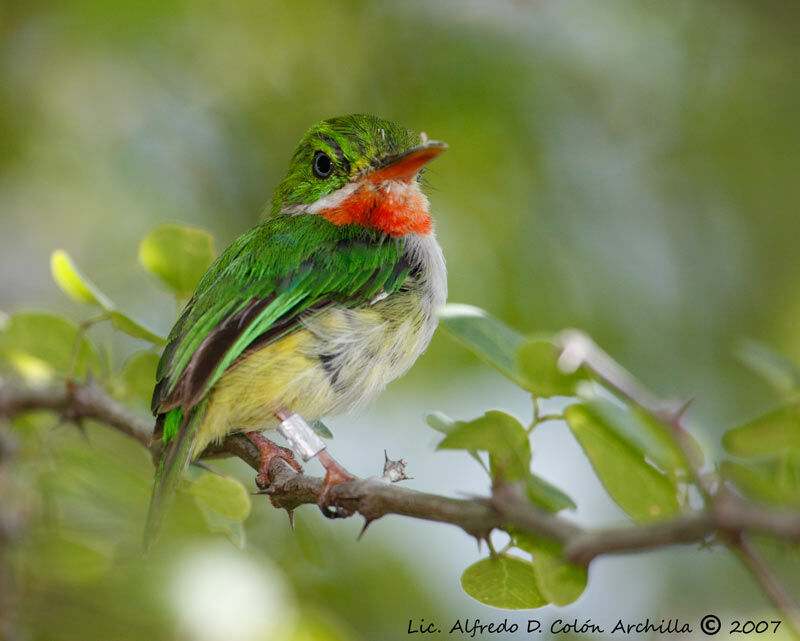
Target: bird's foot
334 474
269 451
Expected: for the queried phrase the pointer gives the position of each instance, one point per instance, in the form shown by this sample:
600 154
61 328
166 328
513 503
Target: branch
729 517
577 350
774 589
374 498
76 401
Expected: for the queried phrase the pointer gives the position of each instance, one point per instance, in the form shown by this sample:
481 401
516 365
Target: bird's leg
334 474
308 444
269 451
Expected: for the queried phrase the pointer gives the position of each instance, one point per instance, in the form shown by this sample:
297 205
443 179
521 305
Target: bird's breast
362 349
340 359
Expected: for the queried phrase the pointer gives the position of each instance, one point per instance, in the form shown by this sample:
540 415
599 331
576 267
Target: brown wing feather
188 389
191 384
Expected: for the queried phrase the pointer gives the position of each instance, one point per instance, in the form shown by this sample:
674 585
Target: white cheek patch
334 199
330 201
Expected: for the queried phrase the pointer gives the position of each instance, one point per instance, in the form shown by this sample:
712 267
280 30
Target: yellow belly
338 360
259 384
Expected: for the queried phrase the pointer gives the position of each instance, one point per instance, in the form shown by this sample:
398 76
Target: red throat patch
394 207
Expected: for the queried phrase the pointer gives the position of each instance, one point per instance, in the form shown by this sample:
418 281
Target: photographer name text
709 625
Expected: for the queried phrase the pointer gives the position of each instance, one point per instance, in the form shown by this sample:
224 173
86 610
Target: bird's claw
262 478
268 451
333 476
334 512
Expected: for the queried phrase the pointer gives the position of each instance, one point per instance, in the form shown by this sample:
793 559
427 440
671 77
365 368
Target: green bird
312 311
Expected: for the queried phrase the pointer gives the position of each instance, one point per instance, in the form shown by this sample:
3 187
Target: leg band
301 437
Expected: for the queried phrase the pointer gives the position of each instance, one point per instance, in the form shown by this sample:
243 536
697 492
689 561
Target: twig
76 401
579 350
728 517
774 589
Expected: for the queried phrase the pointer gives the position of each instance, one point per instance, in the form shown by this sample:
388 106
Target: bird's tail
180 432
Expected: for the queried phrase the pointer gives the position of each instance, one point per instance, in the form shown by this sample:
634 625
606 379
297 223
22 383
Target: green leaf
501 435
503 582
79 288
780 372
444 424
73 283
41 345
538 362
770 434
485 336
320 428
547 495
177 255
440 422
559 581
130 327
775 481
640 431
137 377
219 524
636 486
223 494
509 449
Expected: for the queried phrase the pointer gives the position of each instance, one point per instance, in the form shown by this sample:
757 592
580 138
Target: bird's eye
419 174
322 165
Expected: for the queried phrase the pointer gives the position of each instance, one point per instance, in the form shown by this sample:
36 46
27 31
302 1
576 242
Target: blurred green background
626 168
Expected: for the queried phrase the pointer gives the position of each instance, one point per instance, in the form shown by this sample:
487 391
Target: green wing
257 291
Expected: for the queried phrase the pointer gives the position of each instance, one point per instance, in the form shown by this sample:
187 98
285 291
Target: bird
313 311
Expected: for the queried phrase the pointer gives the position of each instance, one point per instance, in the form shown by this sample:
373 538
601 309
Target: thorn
68 420
678 415
208 468
80 425
367 521
290 514
394 471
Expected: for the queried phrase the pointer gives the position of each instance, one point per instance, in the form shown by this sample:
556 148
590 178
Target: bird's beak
406 166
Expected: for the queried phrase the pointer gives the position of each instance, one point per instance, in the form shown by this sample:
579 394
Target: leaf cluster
645 460
40 347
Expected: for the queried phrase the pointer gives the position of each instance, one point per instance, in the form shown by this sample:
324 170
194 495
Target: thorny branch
725 517
578 350
374 498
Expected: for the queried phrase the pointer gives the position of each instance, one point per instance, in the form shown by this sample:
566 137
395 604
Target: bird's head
360 170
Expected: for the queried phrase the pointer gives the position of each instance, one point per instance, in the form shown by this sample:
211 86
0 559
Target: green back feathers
172 422
355 143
